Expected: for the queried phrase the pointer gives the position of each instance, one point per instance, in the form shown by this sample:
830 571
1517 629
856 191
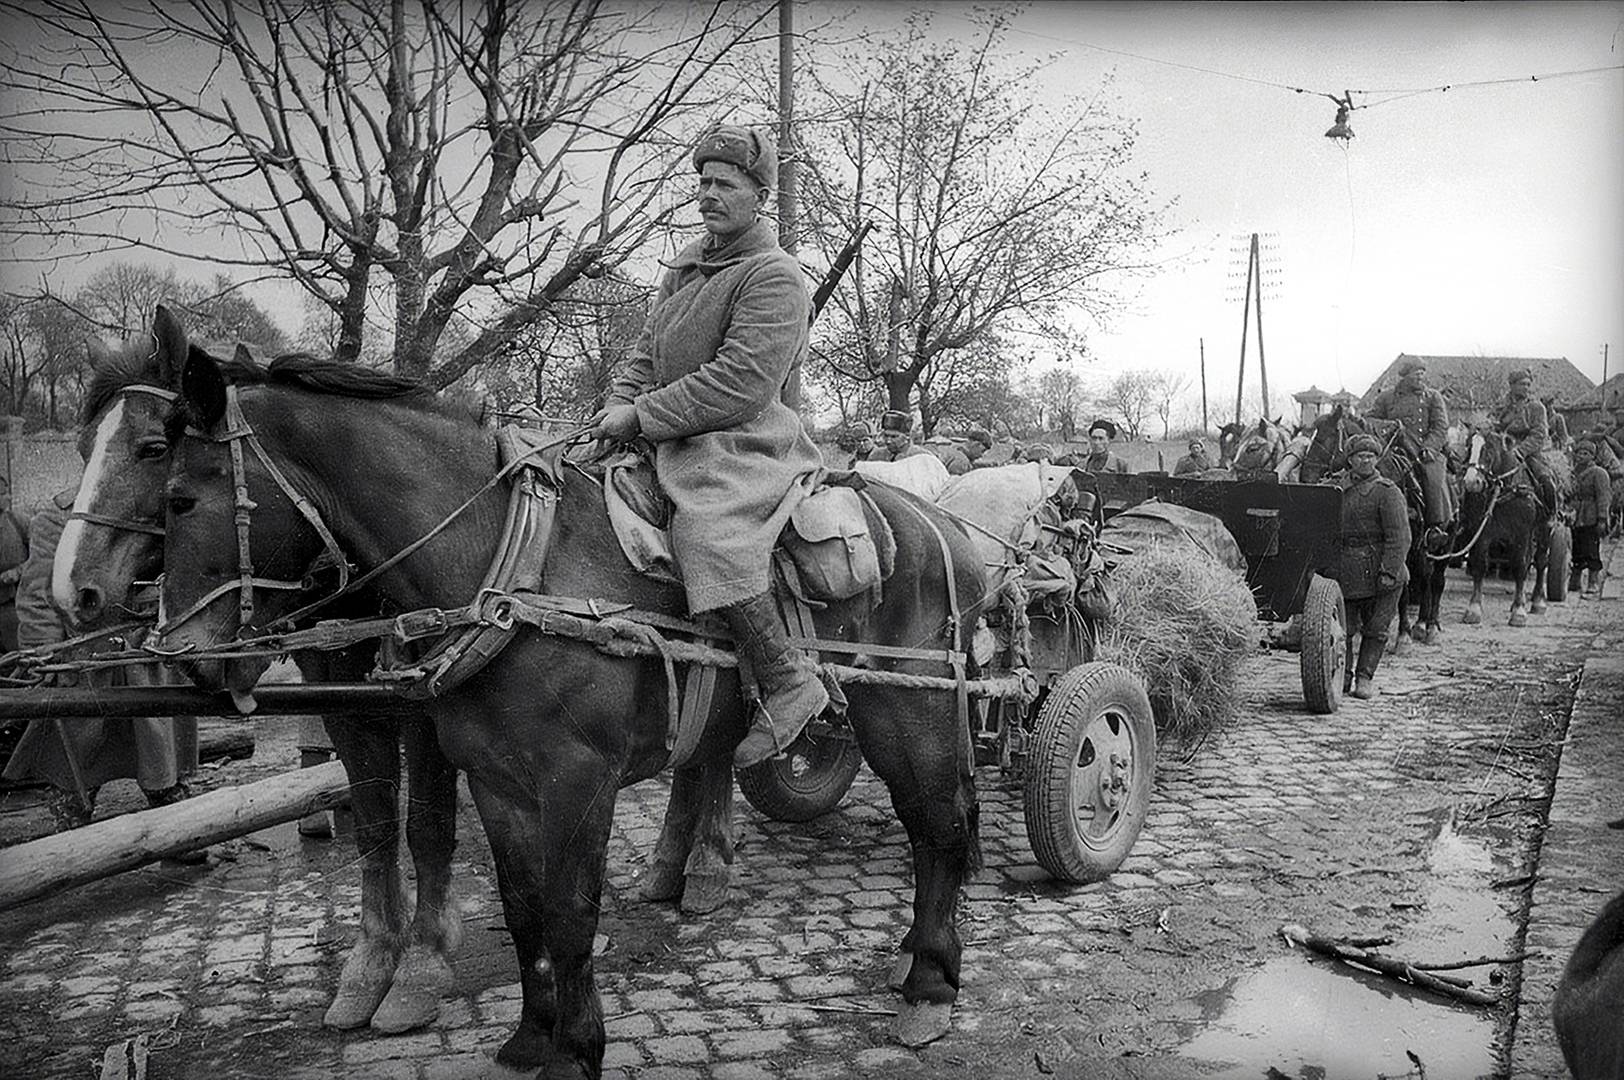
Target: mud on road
1415 817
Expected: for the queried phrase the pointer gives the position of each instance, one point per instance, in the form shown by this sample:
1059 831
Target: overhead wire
1397 94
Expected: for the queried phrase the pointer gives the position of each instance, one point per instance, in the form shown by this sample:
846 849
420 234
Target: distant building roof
1343 397
1479 382
1612 392
1312 396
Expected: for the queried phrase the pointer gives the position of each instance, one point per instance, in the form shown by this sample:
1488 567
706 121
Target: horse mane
323 375
134 363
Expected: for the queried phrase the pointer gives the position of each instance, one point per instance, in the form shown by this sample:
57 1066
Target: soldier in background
855 442
1196 461
159 753
1425 418
1592 504
976 443
1375 542
13 553
1523 418
952 458
896 438
1101 459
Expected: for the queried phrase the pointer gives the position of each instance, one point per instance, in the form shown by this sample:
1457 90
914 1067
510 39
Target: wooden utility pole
1246 317
1254 281
1262 363
1203 342
788 209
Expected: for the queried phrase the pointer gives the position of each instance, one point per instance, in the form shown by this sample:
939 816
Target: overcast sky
1485 219
1478 220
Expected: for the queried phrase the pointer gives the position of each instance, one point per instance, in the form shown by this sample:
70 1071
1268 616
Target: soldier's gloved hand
1386 580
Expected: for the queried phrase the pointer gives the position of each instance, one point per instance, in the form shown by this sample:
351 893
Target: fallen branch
1401 970
1482 961
861 1010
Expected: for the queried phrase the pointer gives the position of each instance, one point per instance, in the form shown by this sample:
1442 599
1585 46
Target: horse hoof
704 893
1401 645
413 1001
362 985
922 1024
1537 607
354 1004
662 881
526 1048
1517 619
1472 617
1433 634
899 971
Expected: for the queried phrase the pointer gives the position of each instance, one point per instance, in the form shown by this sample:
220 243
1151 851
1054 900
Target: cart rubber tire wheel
1325 639
1559 564
1090 772
809 779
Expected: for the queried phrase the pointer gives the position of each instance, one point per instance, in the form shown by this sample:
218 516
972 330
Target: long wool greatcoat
1423 413
1375 537
156 751
715 377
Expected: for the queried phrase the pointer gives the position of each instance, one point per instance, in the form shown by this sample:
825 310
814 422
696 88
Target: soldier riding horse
551 724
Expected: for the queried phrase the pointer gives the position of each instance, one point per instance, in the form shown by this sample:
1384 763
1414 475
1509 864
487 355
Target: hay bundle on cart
1180 612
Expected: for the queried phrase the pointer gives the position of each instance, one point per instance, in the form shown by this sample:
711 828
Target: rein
1497 485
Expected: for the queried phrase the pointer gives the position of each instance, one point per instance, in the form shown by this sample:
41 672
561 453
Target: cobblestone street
1416 816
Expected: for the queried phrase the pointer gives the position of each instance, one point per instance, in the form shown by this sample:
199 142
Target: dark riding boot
1574 579
791 691
1370 655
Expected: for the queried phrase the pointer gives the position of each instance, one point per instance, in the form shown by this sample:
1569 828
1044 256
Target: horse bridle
238 432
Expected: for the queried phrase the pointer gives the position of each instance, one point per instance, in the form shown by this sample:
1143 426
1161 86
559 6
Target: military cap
1106 426
747 149
1037 452
1410 364
1519 375
1587 446
1198 444
893 420
1360 444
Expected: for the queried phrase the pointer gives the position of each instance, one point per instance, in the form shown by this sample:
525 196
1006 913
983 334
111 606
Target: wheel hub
1113 777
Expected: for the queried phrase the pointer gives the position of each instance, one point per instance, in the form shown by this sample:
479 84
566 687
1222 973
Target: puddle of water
1462 919
1308 1019
1314 1019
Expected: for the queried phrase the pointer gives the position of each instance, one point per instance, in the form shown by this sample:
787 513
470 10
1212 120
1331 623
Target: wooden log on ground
54 863
234 743
1387 965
